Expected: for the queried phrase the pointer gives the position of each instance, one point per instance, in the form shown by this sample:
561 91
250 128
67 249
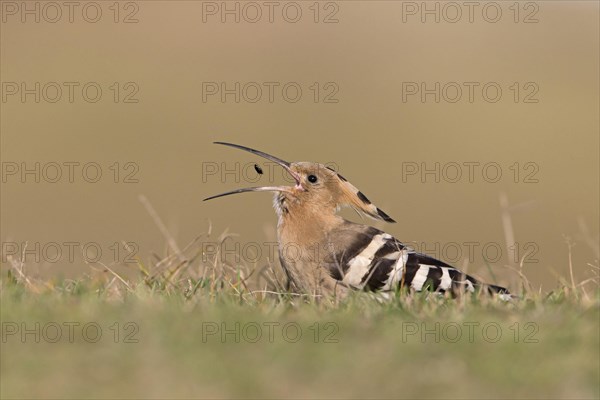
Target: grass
171 332
183 327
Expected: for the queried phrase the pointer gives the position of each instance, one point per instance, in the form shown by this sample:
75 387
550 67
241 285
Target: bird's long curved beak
279 161
253 189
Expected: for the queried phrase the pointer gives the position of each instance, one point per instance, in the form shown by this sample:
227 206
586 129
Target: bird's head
316 187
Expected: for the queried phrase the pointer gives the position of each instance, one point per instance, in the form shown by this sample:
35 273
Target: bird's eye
312 179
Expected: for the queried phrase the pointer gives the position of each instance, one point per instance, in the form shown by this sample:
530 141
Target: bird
323 254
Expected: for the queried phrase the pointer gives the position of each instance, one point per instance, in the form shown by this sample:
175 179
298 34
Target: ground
175 334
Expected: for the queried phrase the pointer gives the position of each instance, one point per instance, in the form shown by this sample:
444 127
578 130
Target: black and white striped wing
367 258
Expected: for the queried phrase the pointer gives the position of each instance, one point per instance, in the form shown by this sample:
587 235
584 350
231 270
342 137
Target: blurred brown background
550 49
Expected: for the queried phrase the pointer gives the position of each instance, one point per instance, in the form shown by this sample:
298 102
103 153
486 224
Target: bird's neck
304 225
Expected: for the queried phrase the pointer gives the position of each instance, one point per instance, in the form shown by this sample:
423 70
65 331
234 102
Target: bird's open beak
284 164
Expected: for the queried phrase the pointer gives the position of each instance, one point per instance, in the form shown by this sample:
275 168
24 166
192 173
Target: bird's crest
354 198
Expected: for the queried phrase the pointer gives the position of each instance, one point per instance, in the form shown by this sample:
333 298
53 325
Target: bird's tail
462 282
502 292
426 273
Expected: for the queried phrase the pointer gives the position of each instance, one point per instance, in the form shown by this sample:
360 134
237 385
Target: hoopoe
324 254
